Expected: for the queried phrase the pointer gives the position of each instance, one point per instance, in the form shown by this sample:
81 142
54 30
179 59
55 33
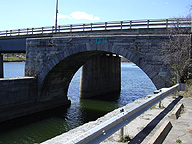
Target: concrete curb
176 112
161 133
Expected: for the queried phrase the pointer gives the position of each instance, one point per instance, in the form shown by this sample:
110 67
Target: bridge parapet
94 27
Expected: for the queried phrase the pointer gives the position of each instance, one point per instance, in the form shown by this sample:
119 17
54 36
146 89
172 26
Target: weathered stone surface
101 75
55 60
1 66
18 90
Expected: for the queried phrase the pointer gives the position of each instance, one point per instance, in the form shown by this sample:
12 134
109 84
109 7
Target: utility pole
56 15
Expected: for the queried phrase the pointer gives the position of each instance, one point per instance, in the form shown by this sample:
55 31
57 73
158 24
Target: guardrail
116 25
106 129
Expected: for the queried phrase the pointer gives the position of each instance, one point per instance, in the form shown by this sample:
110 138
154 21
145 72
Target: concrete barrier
177 111
19 97
161 133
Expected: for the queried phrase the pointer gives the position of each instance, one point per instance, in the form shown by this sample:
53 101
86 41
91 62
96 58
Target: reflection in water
39 127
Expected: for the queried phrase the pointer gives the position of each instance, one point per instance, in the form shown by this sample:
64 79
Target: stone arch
57 74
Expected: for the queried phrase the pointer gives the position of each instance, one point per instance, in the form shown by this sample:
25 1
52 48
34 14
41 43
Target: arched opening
135 84
57 81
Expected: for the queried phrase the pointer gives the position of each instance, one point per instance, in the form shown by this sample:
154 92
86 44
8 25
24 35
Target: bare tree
177 50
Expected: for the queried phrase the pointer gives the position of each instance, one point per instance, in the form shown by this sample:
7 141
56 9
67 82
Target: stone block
161 134
175 114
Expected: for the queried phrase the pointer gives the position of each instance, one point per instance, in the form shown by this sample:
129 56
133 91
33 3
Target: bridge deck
15 40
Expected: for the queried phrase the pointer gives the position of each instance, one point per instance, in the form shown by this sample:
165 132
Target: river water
42 126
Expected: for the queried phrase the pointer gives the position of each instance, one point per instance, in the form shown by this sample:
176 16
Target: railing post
122 129
59 28
42 30
10 32
177 22
32 31
18 31
27 31
160 105
53 29
122 132
70 28
167 23
147 23
105 25
6 32
91 26
83 27
130 24
121 25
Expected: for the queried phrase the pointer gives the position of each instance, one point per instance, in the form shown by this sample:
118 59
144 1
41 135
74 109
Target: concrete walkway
182 127
143 128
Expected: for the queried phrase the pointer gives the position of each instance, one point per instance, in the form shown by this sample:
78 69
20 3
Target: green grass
178 141
124 139
12 59
153 107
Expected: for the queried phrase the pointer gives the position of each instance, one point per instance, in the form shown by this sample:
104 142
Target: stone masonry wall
18 90
17 97
100 76
55 60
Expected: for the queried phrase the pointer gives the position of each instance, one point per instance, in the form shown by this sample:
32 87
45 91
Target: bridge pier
1 66
101 75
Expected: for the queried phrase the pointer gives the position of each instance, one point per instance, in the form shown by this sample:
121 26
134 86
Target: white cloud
79 15
60 16
83 15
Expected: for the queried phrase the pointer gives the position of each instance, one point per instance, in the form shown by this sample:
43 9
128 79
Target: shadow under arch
55 77
57 80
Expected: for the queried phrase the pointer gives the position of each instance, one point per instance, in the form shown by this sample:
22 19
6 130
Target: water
13 69
42 126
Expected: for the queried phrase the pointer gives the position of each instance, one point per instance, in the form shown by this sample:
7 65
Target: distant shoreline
14 61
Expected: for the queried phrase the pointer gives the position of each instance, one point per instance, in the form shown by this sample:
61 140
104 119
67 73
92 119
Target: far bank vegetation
14 57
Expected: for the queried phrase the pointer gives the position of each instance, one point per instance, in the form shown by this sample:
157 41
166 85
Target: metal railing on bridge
101 26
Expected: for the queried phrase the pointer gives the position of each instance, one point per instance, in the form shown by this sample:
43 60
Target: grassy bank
13 59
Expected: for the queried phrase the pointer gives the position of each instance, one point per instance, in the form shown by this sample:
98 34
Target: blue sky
15 14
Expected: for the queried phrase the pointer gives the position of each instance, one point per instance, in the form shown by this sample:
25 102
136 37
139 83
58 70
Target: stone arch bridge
55 60
53 55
